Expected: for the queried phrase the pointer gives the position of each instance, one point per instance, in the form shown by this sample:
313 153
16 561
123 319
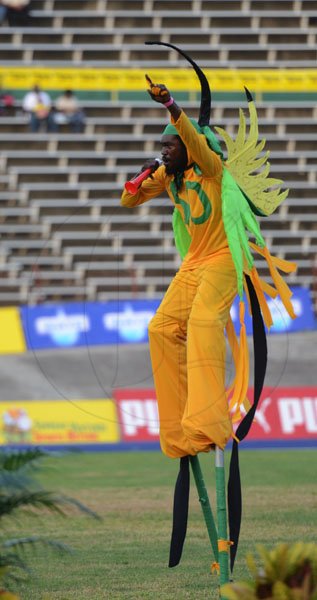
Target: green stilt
205 505
223 545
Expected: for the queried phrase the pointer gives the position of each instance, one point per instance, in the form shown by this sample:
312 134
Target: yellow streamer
242 369
215 568
282 288
268 289
283 265
224 545
234 346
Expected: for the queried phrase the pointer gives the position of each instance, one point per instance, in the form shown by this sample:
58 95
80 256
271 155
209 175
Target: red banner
283 414
286 414
138 415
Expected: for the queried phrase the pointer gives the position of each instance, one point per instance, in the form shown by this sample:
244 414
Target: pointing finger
148 79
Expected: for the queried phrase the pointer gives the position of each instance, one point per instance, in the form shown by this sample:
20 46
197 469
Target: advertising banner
283 323
87 324
126 321
284 415
55 422
11 332
137 415
100 79
55 326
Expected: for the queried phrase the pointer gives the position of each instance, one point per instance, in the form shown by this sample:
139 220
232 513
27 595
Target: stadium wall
128 420
287 417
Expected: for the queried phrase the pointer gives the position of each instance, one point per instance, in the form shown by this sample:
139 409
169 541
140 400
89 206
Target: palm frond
13 481
17 468
20 493
29 499
13 460
33 541
38 499
13 567
82 507
11 559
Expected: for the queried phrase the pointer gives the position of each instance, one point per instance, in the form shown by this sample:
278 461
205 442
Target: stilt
205 505
223 543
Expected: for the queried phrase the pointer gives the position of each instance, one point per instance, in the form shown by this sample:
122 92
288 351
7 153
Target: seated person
68 111
38 105
16 11
7 104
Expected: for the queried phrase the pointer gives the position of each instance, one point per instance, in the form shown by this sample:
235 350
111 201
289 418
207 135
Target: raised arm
197 148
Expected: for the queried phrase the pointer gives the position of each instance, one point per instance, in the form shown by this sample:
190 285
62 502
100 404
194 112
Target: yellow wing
243 159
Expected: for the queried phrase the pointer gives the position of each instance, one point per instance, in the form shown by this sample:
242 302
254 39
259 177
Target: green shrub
20 493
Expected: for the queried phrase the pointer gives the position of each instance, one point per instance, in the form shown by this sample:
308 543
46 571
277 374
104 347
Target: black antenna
248 95
205 102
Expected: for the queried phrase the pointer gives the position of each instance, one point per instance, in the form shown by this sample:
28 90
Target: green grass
124 557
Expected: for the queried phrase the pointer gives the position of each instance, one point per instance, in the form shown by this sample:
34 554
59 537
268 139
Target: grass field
124 557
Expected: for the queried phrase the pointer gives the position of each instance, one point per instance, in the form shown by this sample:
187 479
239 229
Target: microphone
133 185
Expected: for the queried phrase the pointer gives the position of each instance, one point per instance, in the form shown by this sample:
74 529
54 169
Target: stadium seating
63 233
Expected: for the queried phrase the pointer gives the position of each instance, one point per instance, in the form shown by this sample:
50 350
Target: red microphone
133 185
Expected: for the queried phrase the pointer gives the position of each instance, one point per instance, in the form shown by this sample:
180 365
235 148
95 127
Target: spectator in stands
16 11
68 111
7 103
38 105
3 12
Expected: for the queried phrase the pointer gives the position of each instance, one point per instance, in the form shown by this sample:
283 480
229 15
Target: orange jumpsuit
187 341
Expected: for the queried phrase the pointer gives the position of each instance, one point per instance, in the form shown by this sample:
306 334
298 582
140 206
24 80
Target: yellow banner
11 333
273 80
66 422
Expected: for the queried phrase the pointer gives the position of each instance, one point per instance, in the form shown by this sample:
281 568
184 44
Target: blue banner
87 324
282 322
123 322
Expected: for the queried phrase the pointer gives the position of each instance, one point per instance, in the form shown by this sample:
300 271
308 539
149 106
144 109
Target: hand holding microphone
148 168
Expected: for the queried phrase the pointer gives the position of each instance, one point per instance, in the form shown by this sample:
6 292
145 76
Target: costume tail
180 512
234 483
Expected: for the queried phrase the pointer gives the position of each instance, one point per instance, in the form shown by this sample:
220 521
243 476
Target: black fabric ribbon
205 102
181 494
180 512
234 482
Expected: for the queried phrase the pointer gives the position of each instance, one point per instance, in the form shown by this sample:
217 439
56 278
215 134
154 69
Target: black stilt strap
260 363
180 512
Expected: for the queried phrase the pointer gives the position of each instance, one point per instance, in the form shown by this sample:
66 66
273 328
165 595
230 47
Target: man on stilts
213 210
